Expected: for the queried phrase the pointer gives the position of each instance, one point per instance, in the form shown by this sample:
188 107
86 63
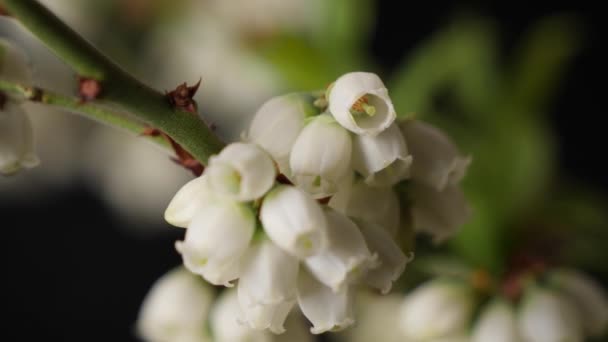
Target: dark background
71 274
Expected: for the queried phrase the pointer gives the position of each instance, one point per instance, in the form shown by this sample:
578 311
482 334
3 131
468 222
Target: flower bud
188 201
587 295
175 308
216 239
241 171
294 221
382 159
346 258
437 161
547 316
320 157
13 65
436 310
496 323
267 287
359 101
225 325
325 309
16 139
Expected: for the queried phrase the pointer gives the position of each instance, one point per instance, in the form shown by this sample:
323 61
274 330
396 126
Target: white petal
346 258
325 309
351 87
320 157
225 325
16 139
188 201
383 159
497 323
437 161
294 221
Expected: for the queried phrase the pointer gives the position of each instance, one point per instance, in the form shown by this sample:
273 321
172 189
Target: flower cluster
306 210
16 136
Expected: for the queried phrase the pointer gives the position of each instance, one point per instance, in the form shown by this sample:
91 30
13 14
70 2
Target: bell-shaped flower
188 201
294 221
267 286
241 171
321 156
346 258
437 161
497 323
392 260
438 213
325 309
359 101
587 295
437 309
13 65
216 239
547 316
278 122
225 324
16 139
383 159
175 308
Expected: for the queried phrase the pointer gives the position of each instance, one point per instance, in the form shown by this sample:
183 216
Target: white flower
188 201
16 139
548 316
587 295
346 258
267 286
437 309
320 156
377 319
241 171
391 257
325 309
438 213
13 66
216 239
359 101
382 159
175 308
224 322
497 323
277 124
294 221
437 161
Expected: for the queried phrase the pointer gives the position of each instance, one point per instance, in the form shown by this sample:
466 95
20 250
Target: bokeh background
518 85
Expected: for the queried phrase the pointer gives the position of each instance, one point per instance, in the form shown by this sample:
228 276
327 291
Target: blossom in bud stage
382 159
267 286
325 309
216 239
346 258
496 323
359 101
589 298
321 156
391 257
438 213
175 308
294 221
241 171
188 201
436 310
437 161
13 66
225 325
547 316
16 139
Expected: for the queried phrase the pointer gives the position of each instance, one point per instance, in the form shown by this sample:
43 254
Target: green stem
118 87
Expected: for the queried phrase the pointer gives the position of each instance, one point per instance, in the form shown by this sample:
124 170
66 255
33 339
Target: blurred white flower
437 161
496 323
377 319
359 101
294 221
321 156
224 322
548 316
437 309
325 309
16 139
267 286
588 296
216 239
175 309
241 171
346 258
383 159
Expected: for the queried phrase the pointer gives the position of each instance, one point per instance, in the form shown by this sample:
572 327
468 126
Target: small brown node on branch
183 157
3 12
182 97
89 89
